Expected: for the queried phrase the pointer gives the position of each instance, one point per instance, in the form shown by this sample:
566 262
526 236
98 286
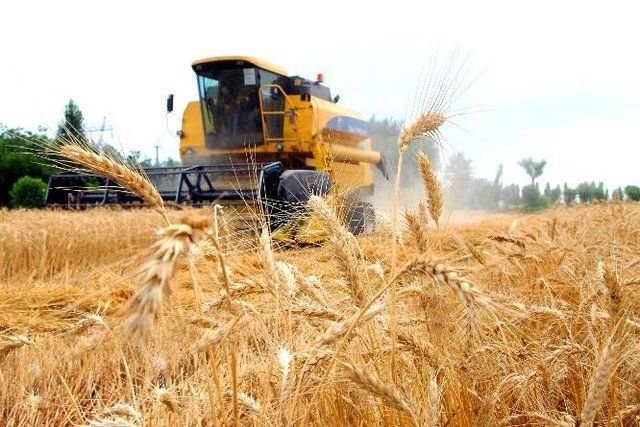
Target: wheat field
509 320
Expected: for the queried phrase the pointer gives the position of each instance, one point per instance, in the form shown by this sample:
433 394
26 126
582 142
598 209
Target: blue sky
556 80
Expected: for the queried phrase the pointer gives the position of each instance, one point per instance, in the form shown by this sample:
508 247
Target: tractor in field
256 136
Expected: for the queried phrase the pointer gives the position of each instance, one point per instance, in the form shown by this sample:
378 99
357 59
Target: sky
554 80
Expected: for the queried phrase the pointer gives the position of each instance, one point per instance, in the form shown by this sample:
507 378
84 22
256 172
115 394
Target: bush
532 200
28 192
632 192
17 160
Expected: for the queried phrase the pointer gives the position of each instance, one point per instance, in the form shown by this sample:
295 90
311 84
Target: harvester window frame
237 129
239 124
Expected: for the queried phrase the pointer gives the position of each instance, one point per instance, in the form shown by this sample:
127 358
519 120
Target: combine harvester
256 136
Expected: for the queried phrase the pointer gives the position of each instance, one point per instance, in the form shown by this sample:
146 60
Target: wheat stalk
13 342
167 398
431 185
111 422
347 249
146 305
265 254
213 337
390 396
599 384
610 279
309 309
285 358
417 231
426 124
115 170
249 402
333 225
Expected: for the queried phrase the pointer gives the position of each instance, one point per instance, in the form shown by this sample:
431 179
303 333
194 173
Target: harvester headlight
280 145
189 152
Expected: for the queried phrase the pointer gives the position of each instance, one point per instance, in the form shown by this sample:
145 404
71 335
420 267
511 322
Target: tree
458 178
511 195
170 163
617 195
497 186
598 193
17 159
569 195
72 126
384 137
554 195
585 192
135 158
632 192
532 199
532 168
480 194
28 192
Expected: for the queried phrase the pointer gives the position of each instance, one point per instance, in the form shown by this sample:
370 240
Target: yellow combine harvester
258 134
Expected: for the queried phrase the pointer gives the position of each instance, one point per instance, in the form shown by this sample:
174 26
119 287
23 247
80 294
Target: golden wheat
146 304
539 307
432 187
112 169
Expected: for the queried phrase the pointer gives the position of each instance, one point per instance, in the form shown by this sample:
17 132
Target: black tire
361 218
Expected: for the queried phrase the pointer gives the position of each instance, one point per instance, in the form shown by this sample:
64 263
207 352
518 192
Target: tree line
23 174
465 191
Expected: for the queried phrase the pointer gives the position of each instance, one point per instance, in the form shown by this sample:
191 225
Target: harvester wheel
361 218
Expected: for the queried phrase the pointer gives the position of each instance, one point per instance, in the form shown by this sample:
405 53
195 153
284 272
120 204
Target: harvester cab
259 136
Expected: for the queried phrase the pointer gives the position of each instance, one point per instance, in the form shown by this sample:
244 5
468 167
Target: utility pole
157 156
100 130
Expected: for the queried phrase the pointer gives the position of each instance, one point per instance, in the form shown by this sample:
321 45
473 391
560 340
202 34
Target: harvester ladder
264 114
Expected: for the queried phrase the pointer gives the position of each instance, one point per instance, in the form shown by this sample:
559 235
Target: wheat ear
116 171
213 337
417 230
599 384
346 246
389 395
425 125
146 305
611 282
432 186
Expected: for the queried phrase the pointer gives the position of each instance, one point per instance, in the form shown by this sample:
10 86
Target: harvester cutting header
256 134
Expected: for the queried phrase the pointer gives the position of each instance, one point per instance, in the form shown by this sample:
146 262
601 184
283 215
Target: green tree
554 194
585 192
569 195
532 168
17 158
28 192
598 193
632 192
72 126
532 200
